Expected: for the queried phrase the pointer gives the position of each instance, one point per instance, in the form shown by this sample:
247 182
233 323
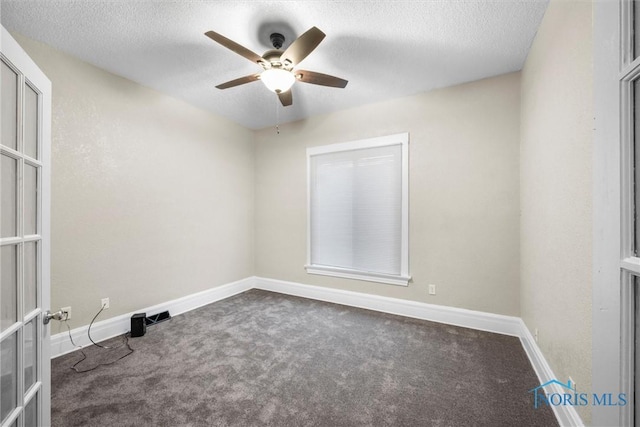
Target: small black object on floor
139 322
138 325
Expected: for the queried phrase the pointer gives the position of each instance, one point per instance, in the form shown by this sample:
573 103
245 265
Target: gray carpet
262 358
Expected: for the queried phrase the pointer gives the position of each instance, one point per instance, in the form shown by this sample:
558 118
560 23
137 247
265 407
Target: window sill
346 273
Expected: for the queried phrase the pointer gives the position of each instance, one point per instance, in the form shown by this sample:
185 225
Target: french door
25 129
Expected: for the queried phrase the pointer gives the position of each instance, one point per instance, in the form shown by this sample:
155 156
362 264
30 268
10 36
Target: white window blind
358 210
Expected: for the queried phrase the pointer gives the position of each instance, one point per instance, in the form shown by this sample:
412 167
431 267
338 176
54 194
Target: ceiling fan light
277 80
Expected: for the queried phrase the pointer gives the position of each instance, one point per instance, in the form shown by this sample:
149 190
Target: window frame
403 279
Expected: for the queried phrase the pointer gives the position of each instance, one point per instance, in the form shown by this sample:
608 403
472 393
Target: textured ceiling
386 49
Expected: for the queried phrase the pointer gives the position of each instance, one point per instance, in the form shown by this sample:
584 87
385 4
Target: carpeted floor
262 358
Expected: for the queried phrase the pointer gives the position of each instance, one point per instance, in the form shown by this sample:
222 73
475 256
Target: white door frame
614 264
18 57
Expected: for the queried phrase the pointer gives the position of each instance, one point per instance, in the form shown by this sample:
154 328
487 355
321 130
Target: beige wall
556 183
464 196
152 198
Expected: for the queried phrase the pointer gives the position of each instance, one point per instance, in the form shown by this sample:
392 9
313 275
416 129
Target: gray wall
464 193
556 191
152 198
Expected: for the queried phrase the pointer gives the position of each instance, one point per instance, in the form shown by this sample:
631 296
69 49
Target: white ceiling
386 49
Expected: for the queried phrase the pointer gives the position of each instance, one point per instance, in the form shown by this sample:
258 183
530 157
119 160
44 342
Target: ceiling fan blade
319 79
302 46
239 81
286 98
230 44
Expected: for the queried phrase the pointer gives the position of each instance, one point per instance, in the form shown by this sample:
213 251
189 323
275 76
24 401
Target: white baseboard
100 331
506 325
566 414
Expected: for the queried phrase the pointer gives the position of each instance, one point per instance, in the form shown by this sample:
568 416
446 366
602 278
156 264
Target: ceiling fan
279 73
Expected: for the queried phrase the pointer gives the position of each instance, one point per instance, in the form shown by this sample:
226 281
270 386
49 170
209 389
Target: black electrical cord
84 355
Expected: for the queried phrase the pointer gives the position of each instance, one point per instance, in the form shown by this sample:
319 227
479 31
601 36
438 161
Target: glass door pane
636 406
30 356
9 203
8 377
31 412
30 122
30 199
636 28
8 286
9 107
30 276
636 162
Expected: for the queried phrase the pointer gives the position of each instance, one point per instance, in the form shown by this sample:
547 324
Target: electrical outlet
432 289
66 311
105 303
535 334
574 386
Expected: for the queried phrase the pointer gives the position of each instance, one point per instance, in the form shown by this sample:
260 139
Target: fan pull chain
277 117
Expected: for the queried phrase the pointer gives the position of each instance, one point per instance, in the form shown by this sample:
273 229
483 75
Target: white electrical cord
84 356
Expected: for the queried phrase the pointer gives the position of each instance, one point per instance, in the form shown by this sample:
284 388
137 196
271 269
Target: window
358 207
